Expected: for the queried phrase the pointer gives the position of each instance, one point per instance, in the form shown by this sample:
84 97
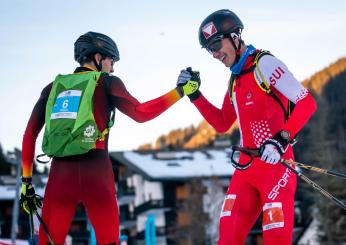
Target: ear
236 38
97 57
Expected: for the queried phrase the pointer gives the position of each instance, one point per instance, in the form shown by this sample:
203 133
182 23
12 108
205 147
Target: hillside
319 80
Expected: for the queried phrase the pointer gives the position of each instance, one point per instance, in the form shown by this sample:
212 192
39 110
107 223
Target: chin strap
98 65
232 37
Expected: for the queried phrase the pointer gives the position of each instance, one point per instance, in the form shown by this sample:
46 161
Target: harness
261 82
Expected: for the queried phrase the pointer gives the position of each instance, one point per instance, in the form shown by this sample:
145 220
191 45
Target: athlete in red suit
264 123
86 178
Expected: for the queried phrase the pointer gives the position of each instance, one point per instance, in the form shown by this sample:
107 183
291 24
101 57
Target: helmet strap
98 65
236 48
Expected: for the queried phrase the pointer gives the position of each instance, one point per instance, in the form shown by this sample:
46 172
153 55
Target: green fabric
71 133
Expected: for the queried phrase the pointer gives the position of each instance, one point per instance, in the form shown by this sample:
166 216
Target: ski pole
286 163
315 185
32 229
255 153
319 170
44 228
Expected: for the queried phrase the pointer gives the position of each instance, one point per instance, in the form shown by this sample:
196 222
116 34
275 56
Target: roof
173 165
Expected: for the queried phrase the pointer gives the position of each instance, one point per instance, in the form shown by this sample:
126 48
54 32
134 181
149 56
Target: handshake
188 83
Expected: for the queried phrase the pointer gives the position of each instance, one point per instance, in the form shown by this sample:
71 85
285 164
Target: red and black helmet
221 22
92 43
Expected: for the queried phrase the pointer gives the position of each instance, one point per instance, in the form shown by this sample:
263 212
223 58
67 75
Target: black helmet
92 43
219 23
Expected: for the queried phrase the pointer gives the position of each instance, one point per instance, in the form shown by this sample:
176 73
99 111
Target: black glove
189 83
29 200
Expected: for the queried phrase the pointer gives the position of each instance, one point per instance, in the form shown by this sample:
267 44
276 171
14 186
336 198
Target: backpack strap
265 86
262 83
109 125
231 87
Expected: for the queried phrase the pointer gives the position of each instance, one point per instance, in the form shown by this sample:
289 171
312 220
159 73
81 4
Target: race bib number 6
66 104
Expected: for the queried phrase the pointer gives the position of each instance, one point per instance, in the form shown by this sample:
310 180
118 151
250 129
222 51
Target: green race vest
70 124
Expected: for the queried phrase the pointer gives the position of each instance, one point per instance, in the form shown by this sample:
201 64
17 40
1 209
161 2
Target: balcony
127 218
125 194
151 207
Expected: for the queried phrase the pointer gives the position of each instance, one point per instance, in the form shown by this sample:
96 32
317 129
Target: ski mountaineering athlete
81 171
258 96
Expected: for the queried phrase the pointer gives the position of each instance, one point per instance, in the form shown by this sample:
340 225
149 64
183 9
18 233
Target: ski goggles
216 44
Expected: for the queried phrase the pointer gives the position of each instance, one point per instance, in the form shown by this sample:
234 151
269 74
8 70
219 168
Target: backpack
71 128
262 83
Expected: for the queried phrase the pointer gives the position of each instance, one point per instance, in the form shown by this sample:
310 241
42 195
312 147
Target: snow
310 236
182 164
9 242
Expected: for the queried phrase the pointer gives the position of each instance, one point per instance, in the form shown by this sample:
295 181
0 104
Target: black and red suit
87 178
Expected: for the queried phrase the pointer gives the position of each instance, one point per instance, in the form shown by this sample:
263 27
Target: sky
156 39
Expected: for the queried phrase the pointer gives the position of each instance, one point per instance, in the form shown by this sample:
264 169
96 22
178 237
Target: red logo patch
209 30
228 204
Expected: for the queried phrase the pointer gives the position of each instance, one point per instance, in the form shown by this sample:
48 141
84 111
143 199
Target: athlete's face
107 65
226 54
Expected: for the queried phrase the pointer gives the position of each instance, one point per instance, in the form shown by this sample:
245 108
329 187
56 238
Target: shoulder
46 90
112 84
109 79
270 62
273 69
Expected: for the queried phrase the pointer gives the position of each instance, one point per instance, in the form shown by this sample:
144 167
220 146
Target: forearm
28 145
301 114
32 130
142 112
220 119
28 152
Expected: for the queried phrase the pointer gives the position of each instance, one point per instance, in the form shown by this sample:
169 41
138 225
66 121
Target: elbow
140 120
221 126
314 104
311 103
221 129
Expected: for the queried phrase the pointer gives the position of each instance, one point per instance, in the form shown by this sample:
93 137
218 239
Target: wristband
280 140
180 91
194 96
26 180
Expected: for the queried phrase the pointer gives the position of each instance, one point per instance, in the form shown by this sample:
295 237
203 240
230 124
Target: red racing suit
262 187
87 178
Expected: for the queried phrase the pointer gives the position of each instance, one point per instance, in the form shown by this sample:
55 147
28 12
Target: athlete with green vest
77 110
259 95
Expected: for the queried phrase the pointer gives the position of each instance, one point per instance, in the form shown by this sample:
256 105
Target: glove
270 154
272 149
189 83
29 200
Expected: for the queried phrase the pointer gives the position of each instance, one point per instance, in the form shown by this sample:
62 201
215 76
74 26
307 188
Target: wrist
180 91
194 95
280 140
26 180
